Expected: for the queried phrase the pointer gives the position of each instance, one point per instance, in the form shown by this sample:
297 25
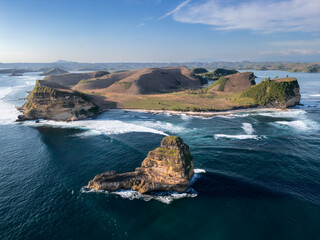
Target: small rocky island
169 167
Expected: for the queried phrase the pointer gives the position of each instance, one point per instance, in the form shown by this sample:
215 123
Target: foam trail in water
299 125
185 117
247 127
5 91
107 127
164 197
241 137
315 95
291 113
8 112
164 126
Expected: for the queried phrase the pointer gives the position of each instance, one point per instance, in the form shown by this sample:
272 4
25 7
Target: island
166 168
53 71
74 96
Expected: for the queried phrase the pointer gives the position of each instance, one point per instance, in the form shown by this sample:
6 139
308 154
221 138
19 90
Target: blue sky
159 30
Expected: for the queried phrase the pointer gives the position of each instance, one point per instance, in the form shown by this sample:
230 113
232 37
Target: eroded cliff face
50 100
169 167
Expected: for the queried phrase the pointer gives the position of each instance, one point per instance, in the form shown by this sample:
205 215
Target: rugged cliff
280 93
49 100
169 167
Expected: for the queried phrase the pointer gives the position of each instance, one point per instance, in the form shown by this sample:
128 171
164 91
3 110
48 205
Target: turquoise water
258 173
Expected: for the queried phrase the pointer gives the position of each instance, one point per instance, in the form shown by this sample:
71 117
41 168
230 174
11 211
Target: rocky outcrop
169 167
49 100
276 93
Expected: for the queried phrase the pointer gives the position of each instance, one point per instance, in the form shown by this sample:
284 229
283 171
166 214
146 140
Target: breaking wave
300 125
241 137
164 126
8 112
107 127
292 113
164 197
5 91
247 127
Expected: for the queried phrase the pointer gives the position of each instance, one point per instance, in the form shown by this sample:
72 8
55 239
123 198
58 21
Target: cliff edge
50 100
278 93
169 167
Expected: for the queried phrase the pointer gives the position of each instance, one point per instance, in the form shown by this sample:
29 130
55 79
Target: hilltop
50 100
71 79
143 81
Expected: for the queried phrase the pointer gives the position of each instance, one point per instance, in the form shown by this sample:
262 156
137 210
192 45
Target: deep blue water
261 179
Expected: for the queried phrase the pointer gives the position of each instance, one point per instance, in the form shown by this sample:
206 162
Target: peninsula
74 96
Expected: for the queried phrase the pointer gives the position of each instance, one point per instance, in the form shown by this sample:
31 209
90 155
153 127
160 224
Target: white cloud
140 25
175 10
315 42
263 16
295 52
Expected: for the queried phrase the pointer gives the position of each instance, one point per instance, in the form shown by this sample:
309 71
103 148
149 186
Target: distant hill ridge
53 71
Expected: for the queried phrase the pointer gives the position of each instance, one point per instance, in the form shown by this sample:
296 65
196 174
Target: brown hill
143 81
71 79
234 83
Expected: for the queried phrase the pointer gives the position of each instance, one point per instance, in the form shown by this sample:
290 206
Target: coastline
207 114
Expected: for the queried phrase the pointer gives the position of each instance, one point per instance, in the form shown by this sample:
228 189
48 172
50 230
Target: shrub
271 91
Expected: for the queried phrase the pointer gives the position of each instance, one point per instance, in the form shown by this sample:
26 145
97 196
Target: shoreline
205 114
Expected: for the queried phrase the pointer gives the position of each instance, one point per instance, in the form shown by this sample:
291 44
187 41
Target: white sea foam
8 112
247 127
241 137
298 125
164 126
199 170
164 197
5 92
107 127
88 133
315 95
185 117
225 116
291 113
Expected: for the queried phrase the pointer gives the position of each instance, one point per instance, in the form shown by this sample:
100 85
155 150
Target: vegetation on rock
169 167
270 91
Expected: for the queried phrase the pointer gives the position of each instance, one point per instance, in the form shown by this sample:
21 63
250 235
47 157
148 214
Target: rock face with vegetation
202 73
169 167
280 93
54 71
49 100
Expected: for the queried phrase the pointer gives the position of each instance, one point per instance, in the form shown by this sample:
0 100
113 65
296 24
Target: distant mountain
245 65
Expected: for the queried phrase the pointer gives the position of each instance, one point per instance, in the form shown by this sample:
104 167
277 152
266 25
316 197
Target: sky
159 30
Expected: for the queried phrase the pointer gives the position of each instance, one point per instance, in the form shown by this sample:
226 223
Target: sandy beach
209 114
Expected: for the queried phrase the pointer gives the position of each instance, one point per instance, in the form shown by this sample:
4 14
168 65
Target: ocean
257 173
